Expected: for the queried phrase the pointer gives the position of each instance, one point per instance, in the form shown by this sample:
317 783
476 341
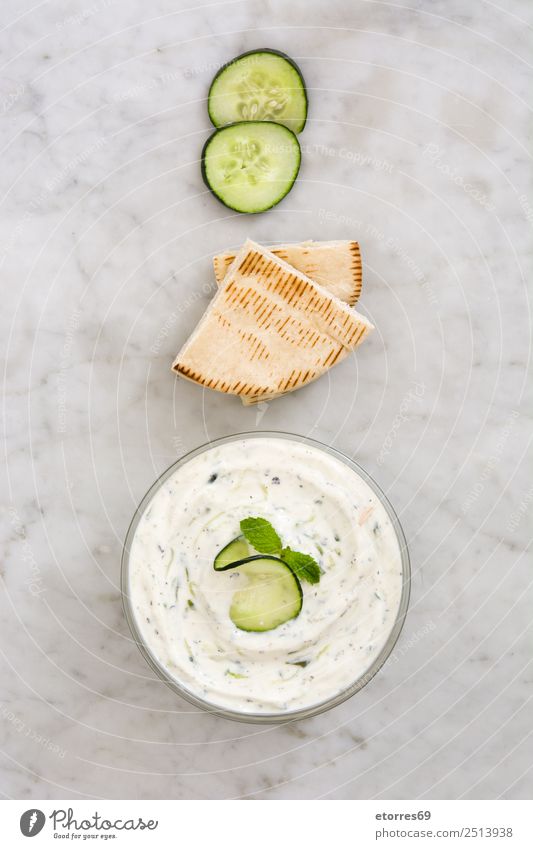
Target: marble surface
416 145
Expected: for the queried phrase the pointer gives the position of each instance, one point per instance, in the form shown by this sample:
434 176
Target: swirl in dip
318 505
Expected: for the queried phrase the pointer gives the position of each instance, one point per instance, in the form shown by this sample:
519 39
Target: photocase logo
32 822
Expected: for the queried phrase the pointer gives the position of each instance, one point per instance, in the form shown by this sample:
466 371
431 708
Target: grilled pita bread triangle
268 330
335 265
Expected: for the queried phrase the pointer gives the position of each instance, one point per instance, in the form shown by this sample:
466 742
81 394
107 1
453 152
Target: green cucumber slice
232 554
272 596
261 85
252 165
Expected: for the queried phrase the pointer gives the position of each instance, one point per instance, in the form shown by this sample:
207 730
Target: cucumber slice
272 596
232 554
261 85
252 165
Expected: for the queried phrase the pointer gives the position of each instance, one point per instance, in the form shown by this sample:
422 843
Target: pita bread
336 266
268 330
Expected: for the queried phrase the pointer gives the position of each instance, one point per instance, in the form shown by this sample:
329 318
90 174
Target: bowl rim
285 716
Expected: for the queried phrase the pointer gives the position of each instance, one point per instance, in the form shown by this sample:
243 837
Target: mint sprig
261 535
264 538
303 565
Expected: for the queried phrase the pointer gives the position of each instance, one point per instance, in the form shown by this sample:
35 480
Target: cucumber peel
232 554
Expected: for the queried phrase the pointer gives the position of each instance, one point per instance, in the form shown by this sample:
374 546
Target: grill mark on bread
246 263
253 389
288 381
258 348
245 297
362 334
299 288
281 327
213 383
327 316
266 269
333 356
222 319
256 262
357 266
264 312
336 357
284 284
357 272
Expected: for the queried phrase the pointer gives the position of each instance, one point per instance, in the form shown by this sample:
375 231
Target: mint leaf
261 535
303 565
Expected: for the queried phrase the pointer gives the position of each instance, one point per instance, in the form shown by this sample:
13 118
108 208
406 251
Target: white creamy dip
319 506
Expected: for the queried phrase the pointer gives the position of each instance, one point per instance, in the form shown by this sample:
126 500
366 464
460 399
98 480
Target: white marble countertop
416 145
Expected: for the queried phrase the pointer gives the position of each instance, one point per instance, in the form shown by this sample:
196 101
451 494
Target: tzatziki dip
319 505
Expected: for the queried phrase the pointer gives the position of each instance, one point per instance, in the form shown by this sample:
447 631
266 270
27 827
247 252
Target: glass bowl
290 715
